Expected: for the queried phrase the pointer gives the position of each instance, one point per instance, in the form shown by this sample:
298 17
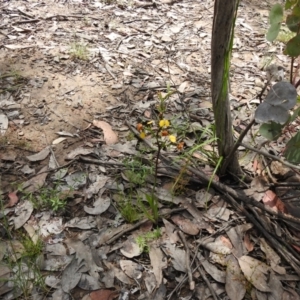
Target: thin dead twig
292 260
270 156
204 277
187 261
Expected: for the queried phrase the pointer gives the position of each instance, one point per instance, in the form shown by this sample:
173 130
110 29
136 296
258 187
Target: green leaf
289 4
296 11
292 152
273 32
276 14
295 114
270 131
292 22
293 47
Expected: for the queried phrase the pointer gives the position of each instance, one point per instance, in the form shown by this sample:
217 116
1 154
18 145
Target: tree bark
221 45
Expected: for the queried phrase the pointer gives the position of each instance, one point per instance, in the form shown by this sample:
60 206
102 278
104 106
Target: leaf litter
91 251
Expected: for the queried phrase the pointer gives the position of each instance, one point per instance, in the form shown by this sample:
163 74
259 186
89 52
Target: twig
25 14
160 26
276 244
128 229
270 156
187 261
124 38
204 277
99 162
107 67
26 21
184 279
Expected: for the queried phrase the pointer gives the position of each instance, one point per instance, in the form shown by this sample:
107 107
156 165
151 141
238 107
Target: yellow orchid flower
164 123
172 138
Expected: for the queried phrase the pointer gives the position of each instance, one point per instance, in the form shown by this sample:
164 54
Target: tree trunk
222 38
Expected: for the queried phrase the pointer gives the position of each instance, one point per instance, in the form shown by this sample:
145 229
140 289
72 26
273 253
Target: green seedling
47 198
136 171
144 240
151 209
129 211
79 51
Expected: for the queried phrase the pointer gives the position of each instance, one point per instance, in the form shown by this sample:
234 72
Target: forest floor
89 210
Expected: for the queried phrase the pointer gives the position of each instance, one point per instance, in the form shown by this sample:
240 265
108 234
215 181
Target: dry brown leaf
221 245
110 137
156 258
271 199
272 257
255 271
39 156
103 295
235 281
248 243
131 248
186 225
36 182
13 199
131 269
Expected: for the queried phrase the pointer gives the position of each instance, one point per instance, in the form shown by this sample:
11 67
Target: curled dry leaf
110 136
100 206
186 225
272 200
39 156
131 248
131 269
13 199
219 246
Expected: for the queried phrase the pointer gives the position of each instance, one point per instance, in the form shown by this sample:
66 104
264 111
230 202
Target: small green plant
52 198
151 211
79 51
16 74
136 171
47 198
128 210
32 249
284 36
25 265
144 240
